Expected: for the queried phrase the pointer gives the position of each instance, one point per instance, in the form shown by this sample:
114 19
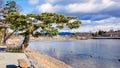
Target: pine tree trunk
7 37
4 36
26 40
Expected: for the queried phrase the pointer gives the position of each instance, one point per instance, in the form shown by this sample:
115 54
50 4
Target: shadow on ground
11 66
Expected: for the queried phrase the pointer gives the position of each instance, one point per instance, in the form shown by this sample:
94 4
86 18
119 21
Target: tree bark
4 36
9 36
26 40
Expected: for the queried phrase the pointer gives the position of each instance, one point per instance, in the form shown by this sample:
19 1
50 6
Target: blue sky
94 14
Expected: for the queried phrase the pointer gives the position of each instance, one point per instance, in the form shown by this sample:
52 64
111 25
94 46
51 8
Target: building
112 34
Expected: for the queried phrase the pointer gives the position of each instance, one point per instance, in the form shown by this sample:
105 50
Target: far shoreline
14 39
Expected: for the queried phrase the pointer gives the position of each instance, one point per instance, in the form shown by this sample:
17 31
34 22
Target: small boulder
91 56
119 60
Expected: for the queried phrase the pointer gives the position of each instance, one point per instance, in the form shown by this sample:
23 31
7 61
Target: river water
97 53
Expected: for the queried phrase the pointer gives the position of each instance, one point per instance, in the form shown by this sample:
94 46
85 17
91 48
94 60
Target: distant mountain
65 33
69 33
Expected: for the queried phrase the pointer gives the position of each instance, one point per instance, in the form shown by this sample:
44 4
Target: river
96 53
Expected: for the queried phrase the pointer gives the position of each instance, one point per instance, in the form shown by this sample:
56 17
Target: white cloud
113 20
86 21
33 2
51 1
47 7
106 24
89 7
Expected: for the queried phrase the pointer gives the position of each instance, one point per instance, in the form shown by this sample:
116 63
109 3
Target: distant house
83 35
112 34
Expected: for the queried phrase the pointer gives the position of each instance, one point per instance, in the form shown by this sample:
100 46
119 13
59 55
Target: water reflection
82 53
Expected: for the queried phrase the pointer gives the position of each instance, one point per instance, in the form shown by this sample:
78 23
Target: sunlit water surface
101 53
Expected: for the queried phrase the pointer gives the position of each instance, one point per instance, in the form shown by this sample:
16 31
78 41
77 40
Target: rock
119 60
91 56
